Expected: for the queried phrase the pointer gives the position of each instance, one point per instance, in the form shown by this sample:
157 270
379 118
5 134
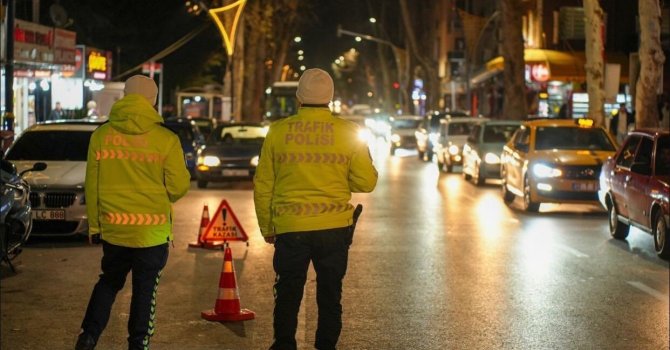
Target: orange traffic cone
204 222
227 307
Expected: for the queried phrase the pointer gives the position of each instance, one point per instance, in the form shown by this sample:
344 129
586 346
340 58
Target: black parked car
231 153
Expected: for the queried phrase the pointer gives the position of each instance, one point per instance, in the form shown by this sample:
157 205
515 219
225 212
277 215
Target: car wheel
661 236
202 184
508 196
477 178
466 176
440 163
618 229
429 156
528 204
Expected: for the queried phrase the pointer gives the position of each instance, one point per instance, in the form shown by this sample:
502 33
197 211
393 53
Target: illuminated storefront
41 53
555 84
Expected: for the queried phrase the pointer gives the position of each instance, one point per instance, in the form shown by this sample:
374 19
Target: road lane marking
651 291
572 251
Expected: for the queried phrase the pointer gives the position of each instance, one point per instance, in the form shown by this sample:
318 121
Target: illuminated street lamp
373 20
297 39
226 19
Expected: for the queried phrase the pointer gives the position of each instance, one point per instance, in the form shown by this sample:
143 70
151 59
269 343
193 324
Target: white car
453 136
57 193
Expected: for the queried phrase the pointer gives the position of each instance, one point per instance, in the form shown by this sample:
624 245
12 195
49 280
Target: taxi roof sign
584 122
224 226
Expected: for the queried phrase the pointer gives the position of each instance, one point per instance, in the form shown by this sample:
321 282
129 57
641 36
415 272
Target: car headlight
209 161
364 134
453 150
395 138
254 161
491 158
543 171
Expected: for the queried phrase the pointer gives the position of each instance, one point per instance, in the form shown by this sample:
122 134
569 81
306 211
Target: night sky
135 30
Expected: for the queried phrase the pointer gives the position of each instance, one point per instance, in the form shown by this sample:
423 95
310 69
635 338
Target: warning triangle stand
223 227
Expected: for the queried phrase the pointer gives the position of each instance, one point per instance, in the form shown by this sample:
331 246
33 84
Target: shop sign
537 72
97 64
64 46
32 42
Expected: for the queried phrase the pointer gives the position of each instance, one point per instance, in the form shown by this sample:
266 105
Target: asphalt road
436 263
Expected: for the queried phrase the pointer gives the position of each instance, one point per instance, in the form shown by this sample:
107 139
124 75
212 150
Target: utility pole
8 117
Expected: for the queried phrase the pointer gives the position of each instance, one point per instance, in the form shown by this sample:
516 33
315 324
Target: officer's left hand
270 239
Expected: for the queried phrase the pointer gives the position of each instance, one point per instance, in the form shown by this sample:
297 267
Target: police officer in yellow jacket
134 172
309 166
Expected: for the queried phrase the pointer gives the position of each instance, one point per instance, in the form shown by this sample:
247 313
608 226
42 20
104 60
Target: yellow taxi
554 161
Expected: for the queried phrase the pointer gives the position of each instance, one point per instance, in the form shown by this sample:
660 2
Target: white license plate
48 214
235 172
585 186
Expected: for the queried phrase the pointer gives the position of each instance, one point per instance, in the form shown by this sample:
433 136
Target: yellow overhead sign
222 17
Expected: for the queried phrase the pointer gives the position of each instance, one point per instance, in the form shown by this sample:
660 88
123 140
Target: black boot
85 342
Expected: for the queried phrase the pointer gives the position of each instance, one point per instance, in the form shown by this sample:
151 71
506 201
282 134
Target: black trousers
146 265
328 250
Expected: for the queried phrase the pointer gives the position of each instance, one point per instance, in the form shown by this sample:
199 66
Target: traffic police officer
135 170
309 166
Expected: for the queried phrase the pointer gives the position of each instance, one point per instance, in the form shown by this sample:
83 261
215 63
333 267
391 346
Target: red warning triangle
224 226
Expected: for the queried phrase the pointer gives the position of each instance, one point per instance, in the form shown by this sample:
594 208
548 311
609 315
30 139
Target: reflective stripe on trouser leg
152 316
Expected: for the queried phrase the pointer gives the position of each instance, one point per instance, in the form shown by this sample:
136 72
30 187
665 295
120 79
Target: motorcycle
15 210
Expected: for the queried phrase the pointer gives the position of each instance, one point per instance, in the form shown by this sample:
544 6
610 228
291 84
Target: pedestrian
310 164
664 122
622 124
135 170
57 112
92 109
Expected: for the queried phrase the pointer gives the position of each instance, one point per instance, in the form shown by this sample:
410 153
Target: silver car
481 152
449 146
57 194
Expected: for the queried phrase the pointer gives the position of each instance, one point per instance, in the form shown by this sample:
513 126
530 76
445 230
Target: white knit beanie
315 87
143 85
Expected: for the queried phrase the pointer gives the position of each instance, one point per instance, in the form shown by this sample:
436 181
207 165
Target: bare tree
651 64
422 50
514 105
593 16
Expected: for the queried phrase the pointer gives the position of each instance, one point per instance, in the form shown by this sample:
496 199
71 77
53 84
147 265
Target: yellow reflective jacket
309 166
135 170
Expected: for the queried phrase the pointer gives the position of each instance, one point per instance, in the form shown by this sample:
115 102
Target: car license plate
591 186
235 172
48 214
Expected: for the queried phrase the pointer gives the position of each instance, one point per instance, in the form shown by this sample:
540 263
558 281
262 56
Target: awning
562 66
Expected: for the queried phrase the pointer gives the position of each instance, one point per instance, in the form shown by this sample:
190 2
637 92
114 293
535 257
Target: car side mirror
641 168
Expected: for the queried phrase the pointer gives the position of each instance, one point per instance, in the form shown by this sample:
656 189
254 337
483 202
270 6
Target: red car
635 187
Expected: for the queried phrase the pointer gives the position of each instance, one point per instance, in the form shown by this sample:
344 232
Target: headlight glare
453 150
491 158
210 161
543 171
254 161
395 138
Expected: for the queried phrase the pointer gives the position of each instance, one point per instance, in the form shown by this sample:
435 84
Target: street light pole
396 50
8 118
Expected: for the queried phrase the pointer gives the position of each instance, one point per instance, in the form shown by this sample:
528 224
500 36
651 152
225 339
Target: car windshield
459 128
184 132
572 138
499 133
240 134
406 123
51 145
663 156
205 126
